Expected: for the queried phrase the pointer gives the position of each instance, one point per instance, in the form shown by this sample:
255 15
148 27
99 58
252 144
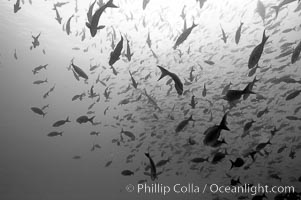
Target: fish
144 4
93 26
38 82
204 92
76 157
200 160
260 113
127 173
261 146
17 6
193 103
292 95
134 83
212 133
79 71
175 78
40 67
54 133
218 157
261 10
162 162
61 122
148 41
35 42
153 174
238 33
128 134
68 30
115 55
38 111
15 54
239 162
184 35
296 53
257 52
85 119
58 17
128 54
224 38
234 95
183 124
280 5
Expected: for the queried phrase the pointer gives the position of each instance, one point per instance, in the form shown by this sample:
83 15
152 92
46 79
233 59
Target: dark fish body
134 83
248 125
193 103
68 25
224 38
239 162
261 146
250 86
212 134
199 160
38 111
234 95
61 122
93 26
296 53
184 36
293 95
238 33
79 71
128 54
115 55
128 134
85 119
162 162
204 92
58 17
183 124
219 156
257 52
127 173
54 133
153 173
175 78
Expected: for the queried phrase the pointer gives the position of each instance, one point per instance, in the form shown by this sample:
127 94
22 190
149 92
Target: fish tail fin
147 155
164 72
223 124
91 120
67 119
269 142
111 4
61 133
247 90
264 37
207 159
276 8
231 164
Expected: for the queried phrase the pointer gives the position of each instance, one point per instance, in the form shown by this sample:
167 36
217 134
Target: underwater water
81 107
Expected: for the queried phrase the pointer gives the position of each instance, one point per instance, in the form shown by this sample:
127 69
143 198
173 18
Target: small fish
128 54
234 95
261 146
58 17
39 68
175 78
239 162
17 6
35 42
115 55
61 122
183 124
193 103
238 33
68 30
76 157
38 111
128 134
15 54
54 133
257 52
127 173
148 41
218 157
212 134
108 163
199 160
144 4
38 82
293 95
134 83
85 119
162 162
184 35
296 53
224 38
153 174
260 113
204 91
79 71
261 10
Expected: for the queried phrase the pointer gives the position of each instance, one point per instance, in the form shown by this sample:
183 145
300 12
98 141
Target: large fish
93 25
115 55
234 95
175 78
257 52
184 35
212 134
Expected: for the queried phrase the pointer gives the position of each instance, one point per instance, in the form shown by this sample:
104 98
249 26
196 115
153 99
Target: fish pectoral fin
147 174
88 25
100 27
